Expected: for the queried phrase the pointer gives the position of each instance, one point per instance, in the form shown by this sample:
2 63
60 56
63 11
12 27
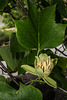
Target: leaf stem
38 43
36 80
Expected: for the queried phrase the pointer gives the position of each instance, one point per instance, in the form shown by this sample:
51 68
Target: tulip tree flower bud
44 65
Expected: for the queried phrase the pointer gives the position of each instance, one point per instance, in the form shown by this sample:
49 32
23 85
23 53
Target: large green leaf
5 88
24 93
3 4
14 45
7 56
29 58
2 78
40 30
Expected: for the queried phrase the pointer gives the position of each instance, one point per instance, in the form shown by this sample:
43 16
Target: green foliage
60 79
62 62
2 78
3 37
3 4
5 88
50 82
7 56
7 20
24 93
9 14
39 28
29 69
14 45
60 7
27 59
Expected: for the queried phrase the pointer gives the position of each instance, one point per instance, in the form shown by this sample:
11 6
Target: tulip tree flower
43 68
44 65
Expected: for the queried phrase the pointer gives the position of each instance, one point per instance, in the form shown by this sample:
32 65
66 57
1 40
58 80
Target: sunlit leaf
50 82
29 69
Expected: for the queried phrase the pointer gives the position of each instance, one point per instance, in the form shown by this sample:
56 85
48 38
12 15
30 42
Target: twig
13 7
12 16
7 11
22 7
2 70
61 52
62 90
6 70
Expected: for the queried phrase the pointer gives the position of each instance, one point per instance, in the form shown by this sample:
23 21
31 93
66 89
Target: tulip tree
41 28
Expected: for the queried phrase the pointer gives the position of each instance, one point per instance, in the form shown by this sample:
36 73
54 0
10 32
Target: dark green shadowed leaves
3 4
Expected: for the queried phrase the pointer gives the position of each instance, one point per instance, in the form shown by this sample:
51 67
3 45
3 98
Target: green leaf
5 88
29 69
2 78
29 58
29 93
7 56
14 45
1 58
40 31
50 82
3 4
24 93
62 62
60 79
60 7
21 71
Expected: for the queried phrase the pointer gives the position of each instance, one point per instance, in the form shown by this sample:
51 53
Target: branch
22 7
61 52
7 11
6 70
2 70
12 16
